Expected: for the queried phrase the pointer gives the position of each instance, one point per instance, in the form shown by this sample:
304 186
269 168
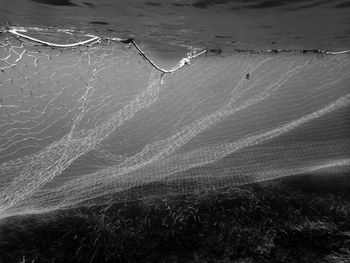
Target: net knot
185 61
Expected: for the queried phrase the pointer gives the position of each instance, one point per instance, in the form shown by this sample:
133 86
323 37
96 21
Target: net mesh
93 121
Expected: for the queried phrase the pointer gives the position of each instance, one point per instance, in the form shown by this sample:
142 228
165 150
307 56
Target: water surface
253 24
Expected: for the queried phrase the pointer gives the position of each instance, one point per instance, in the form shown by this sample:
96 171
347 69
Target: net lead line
182 63
18 33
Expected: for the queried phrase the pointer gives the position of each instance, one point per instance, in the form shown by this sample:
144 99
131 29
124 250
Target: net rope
96 121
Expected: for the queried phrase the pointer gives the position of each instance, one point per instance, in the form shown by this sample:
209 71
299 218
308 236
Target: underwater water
263 93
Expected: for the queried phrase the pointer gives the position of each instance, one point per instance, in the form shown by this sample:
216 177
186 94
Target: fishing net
90 121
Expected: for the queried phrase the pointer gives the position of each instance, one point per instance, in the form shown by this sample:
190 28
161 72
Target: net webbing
85 123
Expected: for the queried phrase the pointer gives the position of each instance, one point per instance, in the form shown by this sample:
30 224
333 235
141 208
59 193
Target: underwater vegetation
294 220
